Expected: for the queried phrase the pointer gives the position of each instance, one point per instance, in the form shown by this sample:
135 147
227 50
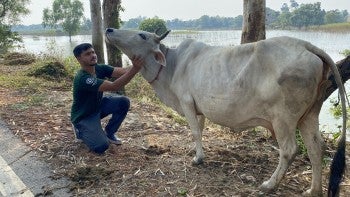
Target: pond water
332 43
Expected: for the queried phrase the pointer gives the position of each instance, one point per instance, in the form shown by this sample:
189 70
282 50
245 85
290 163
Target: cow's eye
142 36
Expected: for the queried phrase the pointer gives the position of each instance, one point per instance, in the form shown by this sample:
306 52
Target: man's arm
126 75
119 71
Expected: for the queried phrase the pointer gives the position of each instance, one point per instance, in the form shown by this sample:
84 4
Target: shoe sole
115 142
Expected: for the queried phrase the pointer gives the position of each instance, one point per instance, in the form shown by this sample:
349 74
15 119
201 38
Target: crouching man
90 106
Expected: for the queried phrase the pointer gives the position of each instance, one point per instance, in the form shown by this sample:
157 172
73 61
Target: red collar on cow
156 78
160 68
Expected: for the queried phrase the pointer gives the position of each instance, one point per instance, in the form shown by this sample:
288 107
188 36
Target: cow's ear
160 58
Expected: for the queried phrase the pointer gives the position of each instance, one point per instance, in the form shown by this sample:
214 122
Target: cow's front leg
196 125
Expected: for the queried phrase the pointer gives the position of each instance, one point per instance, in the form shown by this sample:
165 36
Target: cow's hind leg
286 139
313 142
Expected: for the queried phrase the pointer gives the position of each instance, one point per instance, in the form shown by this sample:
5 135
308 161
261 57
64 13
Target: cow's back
228 82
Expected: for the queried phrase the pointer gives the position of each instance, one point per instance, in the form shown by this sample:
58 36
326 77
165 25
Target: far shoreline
331 28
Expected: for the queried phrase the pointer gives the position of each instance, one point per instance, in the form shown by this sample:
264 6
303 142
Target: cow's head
139 43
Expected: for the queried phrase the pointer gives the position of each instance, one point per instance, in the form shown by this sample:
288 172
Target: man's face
88 58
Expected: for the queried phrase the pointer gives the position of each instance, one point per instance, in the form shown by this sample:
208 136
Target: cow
276 83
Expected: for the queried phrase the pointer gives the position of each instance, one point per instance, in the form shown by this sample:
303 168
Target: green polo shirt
86 97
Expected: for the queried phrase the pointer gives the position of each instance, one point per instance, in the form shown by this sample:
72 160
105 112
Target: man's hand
125 77
138 62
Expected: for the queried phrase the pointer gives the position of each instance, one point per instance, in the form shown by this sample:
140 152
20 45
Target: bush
51 71
16 58
151 25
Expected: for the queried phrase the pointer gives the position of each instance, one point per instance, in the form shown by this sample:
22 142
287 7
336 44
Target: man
90 106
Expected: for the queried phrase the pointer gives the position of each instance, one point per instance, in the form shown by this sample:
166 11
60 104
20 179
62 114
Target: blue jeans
90 130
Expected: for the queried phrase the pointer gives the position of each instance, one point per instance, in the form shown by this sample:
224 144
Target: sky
181 9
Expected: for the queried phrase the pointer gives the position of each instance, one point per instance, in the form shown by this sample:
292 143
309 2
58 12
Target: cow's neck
151 70
161 78
154 72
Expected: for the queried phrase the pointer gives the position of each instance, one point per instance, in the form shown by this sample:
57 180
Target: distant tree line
303 16
289 16
203 23
294 15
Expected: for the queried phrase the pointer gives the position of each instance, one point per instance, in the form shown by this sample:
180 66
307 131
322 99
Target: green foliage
304 15
336 135
86 26
307 15
271 16
174 115
336 109
133 23
335 16
216 22
65 13
204 22
10 13
346 52
301 145
54 71
283 20
182 191
151 25
71 65
16 58
7 38
138 88
293 4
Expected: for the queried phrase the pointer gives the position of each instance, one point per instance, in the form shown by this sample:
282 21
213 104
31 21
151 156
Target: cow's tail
338 163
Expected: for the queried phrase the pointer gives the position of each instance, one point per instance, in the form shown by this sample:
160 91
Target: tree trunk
111 10
253 21
344 69
97 33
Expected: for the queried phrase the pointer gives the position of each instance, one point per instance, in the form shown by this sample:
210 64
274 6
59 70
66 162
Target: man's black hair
79 49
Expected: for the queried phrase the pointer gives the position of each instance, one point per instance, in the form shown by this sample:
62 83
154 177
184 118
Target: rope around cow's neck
160 68
157 76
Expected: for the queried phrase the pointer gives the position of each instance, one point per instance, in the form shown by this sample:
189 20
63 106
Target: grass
334 27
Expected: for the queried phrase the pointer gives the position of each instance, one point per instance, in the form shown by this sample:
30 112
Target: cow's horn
163 35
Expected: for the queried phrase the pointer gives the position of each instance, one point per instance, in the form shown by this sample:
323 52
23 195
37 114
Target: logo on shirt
90 81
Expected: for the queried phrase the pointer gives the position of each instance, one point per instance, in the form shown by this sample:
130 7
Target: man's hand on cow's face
138 62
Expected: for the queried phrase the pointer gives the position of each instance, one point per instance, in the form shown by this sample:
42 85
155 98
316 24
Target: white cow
277 83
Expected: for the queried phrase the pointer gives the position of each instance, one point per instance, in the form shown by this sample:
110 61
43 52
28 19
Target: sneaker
114 140
76 134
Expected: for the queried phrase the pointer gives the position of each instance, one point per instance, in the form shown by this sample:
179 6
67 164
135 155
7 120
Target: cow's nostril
109 30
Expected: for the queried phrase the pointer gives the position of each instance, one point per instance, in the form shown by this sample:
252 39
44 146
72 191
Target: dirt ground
155 158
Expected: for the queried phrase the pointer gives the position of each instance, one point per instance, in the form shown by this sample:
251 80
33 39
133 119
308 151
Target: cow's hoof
267 186
310 193
196 161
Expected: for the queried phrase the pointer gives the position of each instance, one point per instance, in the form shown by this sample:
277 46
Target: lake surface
332 43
